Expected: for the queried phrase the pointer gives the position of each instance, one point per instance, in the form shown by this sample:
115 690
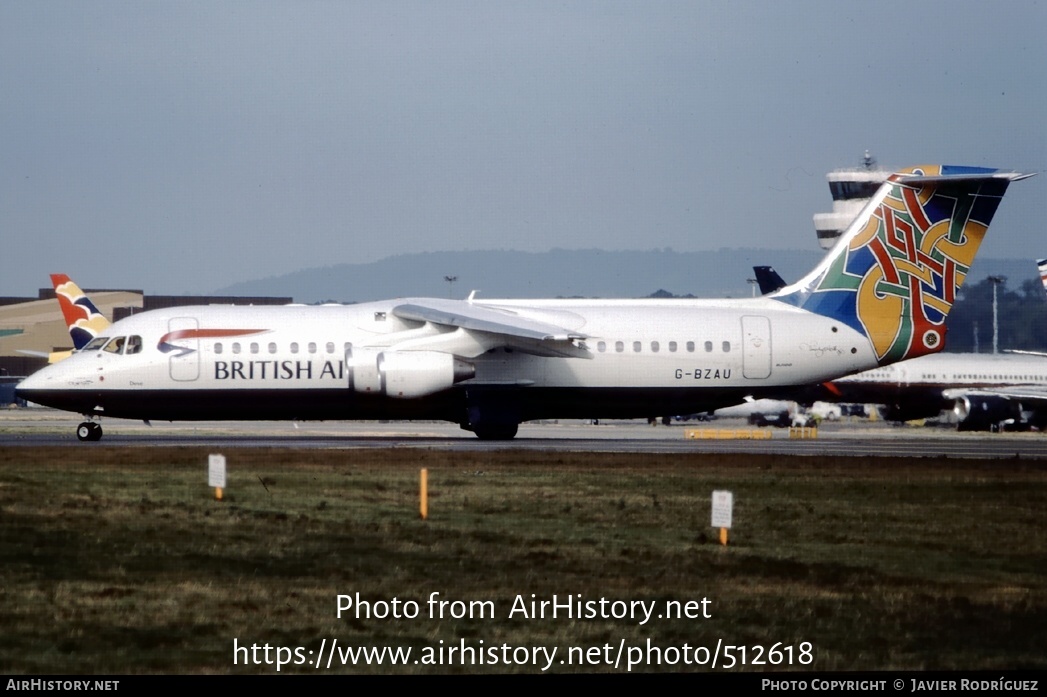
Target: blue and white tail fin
894 273
82 318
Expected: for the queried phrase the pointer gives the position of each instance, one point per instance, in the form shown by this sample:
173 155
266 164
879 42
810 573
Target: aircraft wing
1024 353
52 356
470 329
1029 395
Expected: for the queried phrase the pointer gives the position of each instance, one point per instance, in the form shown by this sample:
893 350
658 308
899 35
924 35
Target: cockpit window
96 343
116 345
134 344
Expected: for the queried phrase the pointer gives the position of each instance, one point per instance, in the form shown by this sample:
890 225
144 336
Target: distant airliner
986 392
83 320
882 295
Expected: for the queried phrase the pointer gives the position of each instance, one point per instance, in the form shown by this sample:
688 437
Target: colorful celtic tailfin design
82 318
895 273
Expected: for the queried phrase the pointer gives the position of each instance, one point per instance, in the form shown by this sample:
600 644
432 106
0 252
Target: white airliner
986 392
881 295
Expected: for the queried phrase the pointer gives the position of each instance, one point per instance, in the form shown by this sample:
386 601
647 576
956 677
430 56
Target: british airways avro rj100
881 295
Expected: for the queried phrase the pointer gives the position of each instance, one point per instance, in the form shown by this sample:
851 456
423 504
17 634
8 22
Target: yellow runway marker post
424 494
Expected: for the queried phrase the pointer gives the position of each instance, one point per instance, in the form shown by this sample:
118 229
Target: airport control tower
851 190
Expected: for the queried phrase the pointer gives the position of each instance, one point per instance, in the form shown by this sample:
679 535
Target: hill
559 273
513 274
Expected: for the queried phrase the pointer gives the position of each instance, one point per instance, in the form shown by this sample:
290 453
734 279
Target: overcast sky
183 146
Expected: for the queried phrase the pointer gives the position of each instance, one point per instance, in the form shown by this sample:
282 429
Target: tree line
1021 317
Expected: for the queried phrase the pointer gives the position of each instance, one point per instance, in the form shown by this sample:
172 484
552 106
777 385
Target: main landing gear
491 417
89 430
496 431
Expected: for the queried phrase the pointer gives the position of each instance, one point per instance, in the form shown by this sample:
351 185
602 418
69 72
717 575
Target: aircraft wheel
89 431
500 432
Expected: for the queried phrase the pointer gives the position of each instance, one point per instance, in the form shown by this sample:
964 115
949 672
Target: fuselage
639 358
924 386
952 370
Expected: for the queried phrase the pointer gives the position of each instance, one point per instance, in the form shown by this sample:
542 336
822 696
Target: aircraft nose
29 385
52 386
41 380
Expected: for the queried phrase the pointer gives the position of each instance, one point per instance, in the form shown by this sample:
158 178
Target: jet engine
404 374
986 413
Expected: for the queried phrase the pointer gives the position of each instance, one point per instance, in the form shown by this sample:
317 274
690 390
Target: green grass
121 561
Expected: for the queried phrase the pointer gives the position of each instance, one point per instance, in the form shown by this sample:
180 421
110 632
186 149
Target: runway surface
47 428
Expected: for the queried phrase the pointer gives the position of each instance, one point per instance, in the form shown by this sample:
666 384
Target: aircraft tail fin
82 318
894 273
768 279
1041 264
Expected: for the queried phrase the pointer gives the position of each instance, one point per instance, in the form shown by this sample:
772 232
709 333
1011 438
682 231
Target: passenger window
637 346
690 347
218 347
708 346
619 346
654 347
294 347
272 347
134 344
312 347
672 347
727 347
236 347
330 347
254 347
601 346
